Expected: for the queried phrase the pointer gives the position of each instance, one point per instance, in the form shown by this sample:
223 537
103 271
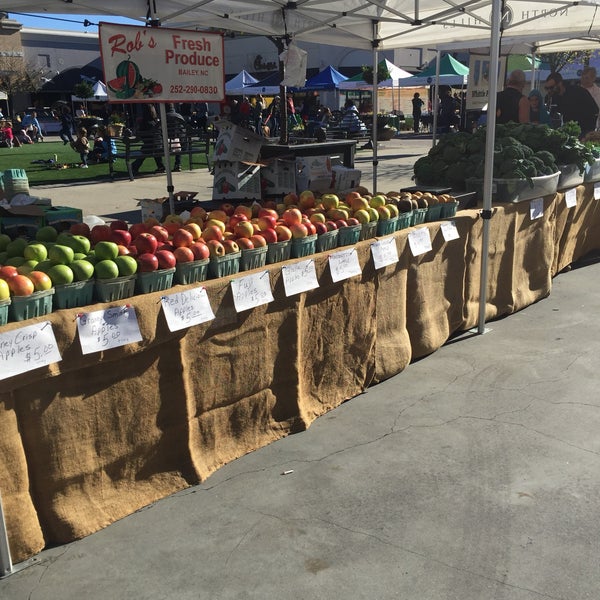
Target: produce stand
94 437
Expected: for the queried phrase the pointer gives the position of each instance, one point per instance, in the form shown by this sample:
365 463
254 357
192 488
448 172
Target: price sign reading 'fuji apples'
110 328
153 64
384 252
185 309
344 264
299 277
27 348
251 291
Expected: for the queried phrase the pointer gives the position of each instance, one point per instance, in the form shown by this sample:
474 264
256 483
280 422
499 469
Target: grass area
25 157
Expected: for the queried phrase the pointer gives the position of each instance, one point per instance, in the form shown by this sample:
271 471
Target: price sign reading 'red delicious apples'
150 64
185 309
27 348
110 328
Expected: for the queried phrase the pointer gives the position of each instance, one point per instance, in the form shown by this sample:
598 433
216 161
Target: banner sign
153 64
479 80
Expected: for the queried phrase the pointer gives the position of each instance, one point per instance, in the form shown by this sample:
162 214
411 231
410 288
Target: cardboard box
62 217
313 173
236 144
278 177
158 208
345 178
237 181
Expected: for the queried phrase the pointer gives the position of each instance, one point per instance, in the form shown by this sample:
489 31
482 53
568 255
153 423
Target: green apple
61 255
46 234
4 241
82 270
78 243
15 261
60 274
27 267
16 247
44 265
106 250
126 264
106 269
377 201
35 251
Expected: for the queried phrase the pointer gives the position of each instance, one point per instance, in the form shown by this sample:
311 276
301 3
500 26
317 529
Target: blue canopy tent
327 79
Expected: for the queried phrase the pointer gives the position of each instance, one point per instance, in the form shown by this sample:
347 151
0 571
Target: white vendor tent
99 94
358 83
236 85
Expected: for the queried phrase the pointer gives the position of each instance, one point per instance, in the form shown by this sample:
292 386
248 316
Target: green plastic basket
191 272
304 246
368 230
71 295
433 213
253 258
327 241
4 304
37 304
110 290
404 220
349 235
387 226
448 209
154 281
419 215
222 266
279 251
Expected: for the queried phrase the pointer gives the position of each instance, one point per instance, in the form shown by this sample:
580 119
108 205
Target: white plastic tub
516 190
592 172
570 177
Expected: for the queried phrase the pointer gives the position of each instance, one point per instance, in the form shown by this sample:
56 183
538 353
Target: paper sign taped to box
236 143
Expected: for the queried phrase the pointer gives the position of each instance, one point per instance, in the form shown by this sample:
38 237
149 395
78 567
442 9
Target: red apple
331 225
283 233
269 235
8 271
184 255
20 285
341 223
306 199
242 209
212 232
219 215
234 220
172 227
183 238
200 250
121 237
100 233
320 228
198 211
270 204
194 229
147 262
132 250
159 232
118 224
227 208
215 248
245 243
259 240
136 229
298 230
166 259
266 222
230 246
165 246
290 198
311 228
80 229
146 243
268 212
123 250
291 216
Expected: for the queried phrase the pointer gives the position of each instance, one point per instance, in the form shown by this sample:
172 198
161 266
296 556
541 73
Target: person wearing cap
511 104
573 102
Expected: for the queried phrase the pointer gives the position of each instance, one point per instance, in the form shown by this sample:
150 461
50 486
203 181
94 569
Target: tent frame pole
375 103
488 175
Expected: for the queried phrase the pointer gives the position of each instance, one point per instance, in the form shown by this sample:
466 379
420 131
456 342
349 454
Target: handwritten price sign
384 252
299 277
344 264
110 328
251 291
186 309
27 348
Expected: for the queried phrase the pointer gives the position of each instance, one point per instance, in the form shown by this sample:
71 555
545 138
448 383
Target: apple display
159 232
200 250
299 230
212 232
216 248
230 246
100 233
121 237
244 229
166 259
291 216
183 238
245 243
283 233
147 262
269 235
145 243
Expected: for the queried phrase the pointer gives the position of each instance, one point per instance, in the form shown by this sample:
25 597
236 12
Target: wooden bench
196 142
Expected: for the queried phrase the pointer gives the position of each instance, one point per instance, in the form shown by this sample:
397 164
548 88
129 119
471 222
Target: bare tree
558 60
17 76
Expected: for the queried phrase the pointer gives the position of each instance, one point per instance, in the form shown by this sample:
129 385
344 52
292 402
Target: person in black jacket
176 126
148 129
511 104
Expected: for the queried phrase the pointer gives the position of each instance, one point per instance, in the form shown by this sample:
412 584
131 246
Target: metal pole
489 161
165 137
436 97
5 560
375 107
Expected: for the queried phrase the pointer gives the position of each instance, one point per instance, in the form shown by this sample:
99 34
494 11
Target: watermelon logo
129 82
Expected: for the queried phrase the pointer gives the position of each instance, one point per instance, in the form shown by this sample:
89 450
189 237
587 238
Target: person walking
176 127
148 129
417 107
66 125
511 104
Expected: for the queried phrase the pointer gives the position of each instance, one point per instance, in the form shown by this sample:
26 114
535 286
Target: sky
68 22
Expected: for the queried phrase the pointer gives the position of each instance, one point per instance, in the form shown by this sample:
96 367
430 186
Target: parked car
49 123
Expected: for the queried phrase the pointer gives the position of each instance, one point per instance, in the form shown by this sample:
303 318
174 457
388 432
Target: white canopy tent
99 93
372 25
